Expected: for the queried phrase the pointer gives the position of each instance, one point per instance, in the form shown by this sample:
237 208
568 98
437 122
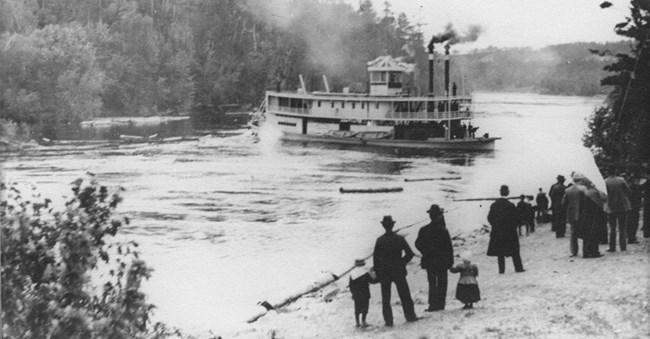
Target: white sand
557 297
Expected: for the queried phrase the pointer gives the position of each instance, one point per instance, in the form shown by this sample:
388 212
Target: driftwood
371 190
431 179
530 197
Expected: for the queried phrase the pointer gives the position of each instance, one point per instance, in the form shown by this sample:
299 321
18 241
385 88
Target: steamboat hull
482 144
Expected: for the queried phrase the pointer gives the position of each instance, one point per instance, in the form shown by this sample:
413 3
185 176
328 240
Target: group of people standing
580 204
391 255
588 212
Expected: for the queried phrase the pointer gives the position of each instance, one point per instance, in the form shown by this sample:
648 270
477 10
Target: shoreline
557 297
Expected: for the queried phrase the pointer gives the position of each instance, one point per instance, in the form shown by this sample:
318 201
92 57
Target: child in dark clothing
360 280
525 215
467 289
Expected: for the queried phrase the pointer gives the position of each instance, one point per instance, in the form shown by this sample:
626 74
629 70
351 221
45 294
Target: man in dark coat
504 241
619 205
593 220
572 202
542 205
636 196
390 265
558 221
434 243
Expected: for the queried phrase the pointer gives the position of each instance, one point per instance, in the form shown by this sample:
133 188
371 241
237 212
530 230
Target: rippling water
234 219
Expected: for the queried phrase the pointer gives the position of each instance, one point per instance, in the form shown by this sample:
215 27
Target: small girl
467 289
360 280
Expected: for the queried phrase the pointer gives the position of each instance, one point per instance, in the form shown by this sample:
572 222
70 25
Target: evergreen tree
619 130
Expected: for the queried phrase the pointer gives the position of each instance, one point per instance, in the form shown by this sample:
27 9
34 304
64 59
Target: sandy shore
557 297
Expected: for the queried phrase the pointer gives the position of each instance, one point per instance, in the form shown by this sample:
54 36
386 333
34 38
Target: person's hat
466 255
359 262
560 178
388 220
435 210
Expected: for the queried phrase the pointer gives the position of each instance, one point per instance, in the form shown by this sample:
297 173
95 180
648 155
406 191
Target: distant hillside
567 69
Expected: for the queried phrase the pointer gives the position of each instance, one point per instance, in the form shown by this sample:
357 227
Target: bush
13 131
51 265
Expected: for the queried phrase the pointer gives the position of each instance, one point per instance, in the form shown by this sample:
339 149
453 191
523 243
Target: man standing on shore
619 205
572 202
390 265
434 243
558 221
542 205
504 240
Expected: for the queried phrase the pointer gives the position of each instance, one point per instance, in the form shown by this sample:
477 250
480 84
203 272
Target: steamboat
386 116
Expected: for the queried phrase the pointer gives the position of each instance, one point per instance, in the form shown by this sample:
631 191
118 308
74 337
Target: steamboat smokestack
431 91
447 70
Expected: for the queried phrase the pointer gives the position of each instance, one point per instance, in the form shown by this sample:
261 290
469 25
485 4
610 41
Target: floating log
431 179
371 190
132 137
530 197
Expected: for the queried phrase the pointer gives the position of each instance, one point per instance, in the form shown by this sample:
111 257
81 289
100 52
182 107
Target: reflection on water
233 219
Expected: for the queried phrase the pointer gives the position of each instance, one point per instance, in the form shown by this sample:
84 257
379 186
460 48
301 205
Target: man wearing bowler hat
390 265
434 243
504 240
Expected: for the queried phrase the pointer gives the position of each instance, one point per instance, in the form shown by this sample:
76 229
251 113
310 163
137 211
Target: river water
233 219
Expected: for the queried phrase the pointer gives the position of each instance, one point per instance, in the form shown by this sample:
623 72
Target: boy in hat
360 280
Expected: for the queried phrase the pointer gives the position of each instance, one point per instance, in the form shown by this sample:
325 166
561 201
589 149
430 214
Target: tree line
69 60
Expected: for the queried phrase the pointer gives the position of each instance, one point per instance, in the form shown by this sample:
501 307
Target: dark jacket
504 239
387 257
360 287
434 243
556 193
542 201
525 212
593 219
617 194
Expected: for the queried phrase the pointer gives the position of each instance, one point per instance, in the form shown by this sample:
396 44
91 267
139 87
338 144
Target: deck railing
430 109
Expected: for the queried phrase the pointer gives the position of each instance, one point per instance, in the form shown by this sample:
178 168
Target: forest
65 61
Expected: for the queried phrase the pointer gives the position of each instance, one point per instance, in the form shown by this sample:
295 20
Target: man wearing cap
504 240
434 243
572 203
390 265
558 221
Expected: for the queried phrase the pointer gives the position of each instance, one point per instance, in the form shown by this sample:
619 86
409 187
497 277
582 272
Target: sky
515 23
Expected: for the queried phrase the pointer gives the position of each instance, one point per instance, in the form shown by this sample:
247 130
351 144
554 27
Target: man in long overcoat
390 265
593 220
558 221
619 205
434 243
504 240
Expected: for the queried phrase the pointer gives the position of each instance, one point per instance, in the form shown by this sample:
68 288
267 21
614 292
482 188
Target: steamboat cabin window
318 103
378 77
395 80
342 104
363 104
353 105
377 105
332 104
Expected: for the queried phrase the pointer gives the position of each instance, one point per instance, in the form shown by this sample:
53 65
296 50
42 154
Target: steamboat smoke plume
452 37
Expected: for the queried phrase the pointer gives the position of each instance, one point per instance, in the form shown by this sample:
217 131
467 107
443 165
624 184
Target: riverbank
557 297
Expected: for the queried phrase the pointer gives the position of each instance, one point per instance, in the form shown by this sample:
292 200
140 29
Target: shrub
51 265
